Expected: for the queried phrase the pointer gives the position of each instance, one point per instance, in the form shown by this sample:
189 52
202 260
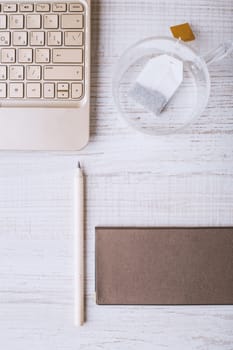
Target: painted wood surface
186 179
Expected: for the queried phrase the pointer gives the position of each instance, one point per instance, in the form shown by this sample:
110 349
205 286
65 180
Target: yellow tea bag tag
183 32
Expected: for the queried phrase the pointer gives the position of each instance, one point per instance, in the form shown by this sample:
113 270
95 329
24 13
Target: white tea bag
157 83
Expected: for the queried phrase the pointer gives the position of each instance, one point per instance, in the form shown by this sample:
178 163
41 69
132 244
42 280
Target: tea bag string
177 44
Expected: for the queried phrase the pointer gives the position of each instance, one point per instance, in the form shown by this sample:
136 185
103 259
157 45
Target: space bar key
63 72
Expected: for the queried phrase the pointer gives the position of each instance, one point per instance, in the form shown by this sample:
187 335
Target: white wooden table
184 179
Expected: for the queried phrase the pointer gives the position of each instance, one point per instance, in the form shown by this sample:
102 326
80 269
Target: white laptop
44 75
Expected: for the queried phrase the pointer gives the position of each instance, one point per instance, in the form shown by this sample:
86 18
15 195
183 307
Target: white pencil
79 247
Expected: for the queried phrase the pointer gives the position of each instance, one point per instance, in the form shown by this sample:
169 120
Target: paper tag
183 32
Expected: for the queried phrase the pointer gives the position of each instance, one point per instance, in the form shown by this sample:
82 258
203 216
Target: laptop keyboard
42 51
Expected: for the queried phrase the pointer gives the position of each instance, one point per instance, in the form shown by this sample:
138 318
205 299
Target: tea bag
157 83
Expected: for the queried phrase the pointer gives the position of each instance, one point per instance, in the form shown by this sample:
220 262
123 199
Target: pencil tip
79 165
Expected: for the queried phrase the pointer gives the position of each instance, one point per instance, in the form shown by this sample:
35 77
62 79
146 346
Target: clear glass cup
189 101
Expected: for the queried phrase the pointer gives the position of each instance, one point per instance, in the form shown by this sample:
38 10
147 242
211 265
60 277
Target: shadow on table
96 7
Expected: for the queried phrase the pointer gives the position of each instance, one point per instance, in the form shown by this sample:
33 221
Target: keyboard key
16 90
37 39
54 38
26 7
72 21
8 56
33 72
76 8
33 21
42 56
76 91
33 90
73 38
9 7
16 73
16 21
63 94
63 73
59 7
49 91
3 74
42 7
25 56
20 38
63 87
2 21
2 90
51 21
4 38
67 55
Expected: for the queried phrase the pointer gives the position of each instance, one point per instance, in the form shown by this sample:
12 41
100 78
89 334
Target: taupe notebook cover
164 266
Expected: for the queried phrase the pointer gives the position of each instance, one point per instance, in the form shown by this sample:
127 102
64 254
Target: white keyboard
42 53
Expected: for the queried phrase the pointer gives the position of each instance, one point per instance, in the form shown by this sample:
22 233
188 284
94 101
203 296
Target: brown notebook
164 266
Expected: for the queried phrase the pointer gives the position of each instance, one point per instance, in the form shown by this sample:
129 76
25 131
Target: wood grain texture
186 179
